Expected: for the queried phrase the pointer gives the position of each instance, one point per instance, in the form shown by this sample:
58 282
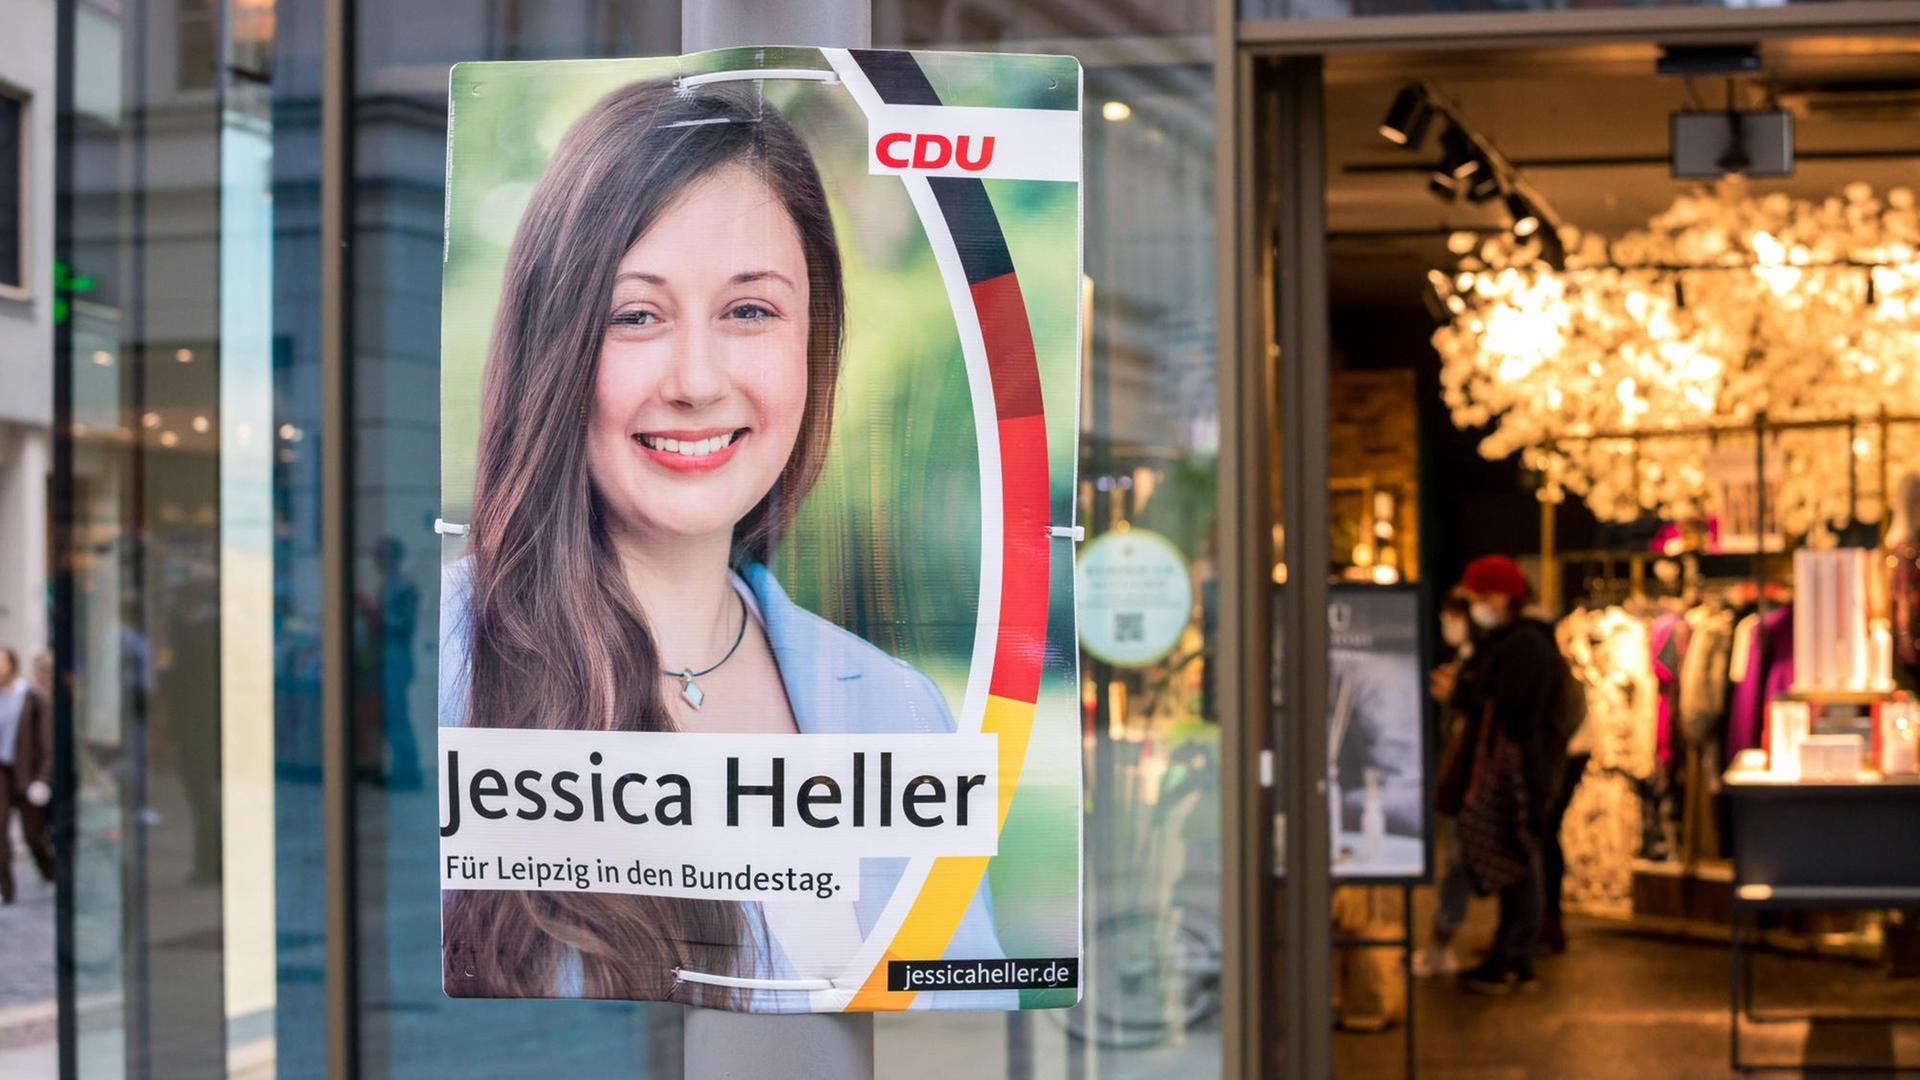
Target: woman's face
702 378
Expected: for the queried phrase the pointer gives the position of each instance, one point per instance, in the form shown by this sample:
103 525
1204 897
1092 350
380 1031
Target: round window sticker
1135 597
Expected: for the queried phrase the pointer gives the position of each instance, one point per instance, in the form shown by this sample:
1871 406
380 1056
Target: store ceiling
1588 128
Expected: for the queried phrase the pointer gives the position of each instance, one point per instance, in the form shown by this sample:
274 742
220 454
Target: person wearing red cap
1513 699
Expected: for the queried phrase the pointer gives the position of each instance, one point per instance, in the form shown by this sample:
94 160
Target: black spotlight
1407 118
1442 187
1483 185
1458 156
1525 221
1553 251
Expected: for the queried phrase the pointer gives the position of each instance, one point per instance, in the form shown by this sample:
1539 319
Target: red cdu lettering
971 153
931 151
978 163
884 149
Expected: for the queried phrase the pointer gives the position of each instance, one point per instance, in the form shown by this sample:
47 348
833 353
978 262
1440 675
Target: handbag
1495 843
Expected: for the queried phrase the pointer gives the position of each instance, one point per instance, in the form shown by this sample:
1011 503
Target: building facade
27 311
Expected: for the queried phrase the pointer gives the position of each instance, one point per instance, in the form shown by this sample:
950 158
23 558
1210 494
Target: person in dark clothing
1553 860
1453 893
1513 697
26 771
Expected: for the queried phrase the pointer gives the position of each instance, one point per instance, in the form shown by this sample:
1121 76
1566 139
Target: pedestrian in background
1516 686
26 770
1457 739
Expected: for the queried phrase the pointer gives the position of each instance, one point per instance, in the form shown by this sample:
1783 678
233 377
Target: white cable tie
1075 533
751 984
448 528
819 75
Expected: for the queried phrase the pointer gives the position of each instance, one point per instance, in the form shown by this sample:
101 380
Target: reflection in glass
1149 443
408 1027
145 559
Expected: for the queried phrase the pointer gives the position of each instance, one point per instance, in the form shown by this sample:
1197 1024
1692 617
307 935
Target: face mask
1453 631
1484 615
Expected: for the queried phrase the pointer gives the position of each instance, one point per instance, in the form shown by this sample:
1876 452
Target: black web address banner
1025 974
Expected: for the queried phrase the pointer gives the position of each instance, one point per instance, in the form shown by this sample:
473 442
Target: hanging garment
1699 821
1704 675
1599 839
1603 831
1742 650
1665 642
1769 673
1622 693
1904 596
1705 678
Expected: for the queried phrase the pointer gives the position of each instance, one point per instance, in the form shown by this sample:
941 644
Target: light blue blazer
837 684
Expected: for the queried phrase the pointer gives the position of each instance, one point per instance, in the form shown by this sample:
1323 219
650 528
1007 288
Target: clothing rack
1761 426
1624 570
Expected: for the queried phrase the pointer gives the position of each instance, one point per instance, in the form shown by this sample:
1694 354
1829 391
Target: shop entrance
1682 412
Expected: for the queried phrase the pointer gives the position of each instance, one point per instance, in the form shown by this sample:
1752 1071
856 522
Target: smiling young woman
658 400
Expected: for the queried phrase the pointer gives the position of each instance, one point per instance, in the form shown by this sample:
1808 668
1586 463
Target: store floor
1620 1003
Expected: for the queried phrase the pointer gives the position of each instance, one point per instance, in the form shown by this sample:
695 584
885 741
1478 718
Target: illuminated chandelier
1621 374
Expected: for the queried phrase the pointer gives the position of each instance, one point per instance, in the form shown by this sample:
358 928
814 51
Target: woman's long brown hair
558 638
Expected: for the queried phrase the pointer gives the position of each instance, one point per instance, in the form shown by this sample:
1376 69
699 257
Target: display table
1819 845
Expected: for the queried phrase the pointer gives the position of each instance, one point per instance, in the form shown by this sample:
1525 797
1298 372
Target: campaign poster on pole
758 677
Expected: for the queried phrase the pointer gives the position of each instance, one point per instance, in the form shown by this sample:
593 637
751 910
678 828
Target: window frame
22 288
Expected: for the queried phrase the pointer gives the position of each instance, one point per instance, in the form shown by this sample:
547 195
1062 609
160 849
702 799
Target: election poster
758 674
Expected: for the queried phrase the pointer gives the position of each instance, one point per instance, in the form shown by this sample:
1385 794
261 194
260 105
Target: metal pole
62 510
725 1045
338 809
722 24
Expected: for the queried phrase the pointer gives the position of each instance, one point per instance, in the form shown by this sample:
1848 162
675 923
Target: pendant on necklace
691 690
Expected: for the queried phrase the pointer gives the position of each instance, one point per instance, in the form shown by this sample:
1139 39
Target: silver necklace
689 689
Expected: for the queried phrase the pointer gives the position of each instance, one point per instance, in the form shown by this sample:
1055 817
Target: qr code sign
1129 626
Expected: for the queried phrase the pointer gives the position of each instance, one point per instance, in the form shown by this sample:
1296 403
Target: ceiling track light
1459 158
1553 251
1408 118
1470 167
1525 220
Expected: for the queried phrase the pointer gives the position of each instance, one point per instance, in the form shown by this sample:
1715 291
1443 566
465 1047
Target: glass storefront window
408 1027
1149 445
139 377
193 374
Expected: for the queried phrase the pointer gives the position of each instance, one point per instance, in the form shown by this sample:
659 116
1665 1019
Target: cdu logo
977 142
925 151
